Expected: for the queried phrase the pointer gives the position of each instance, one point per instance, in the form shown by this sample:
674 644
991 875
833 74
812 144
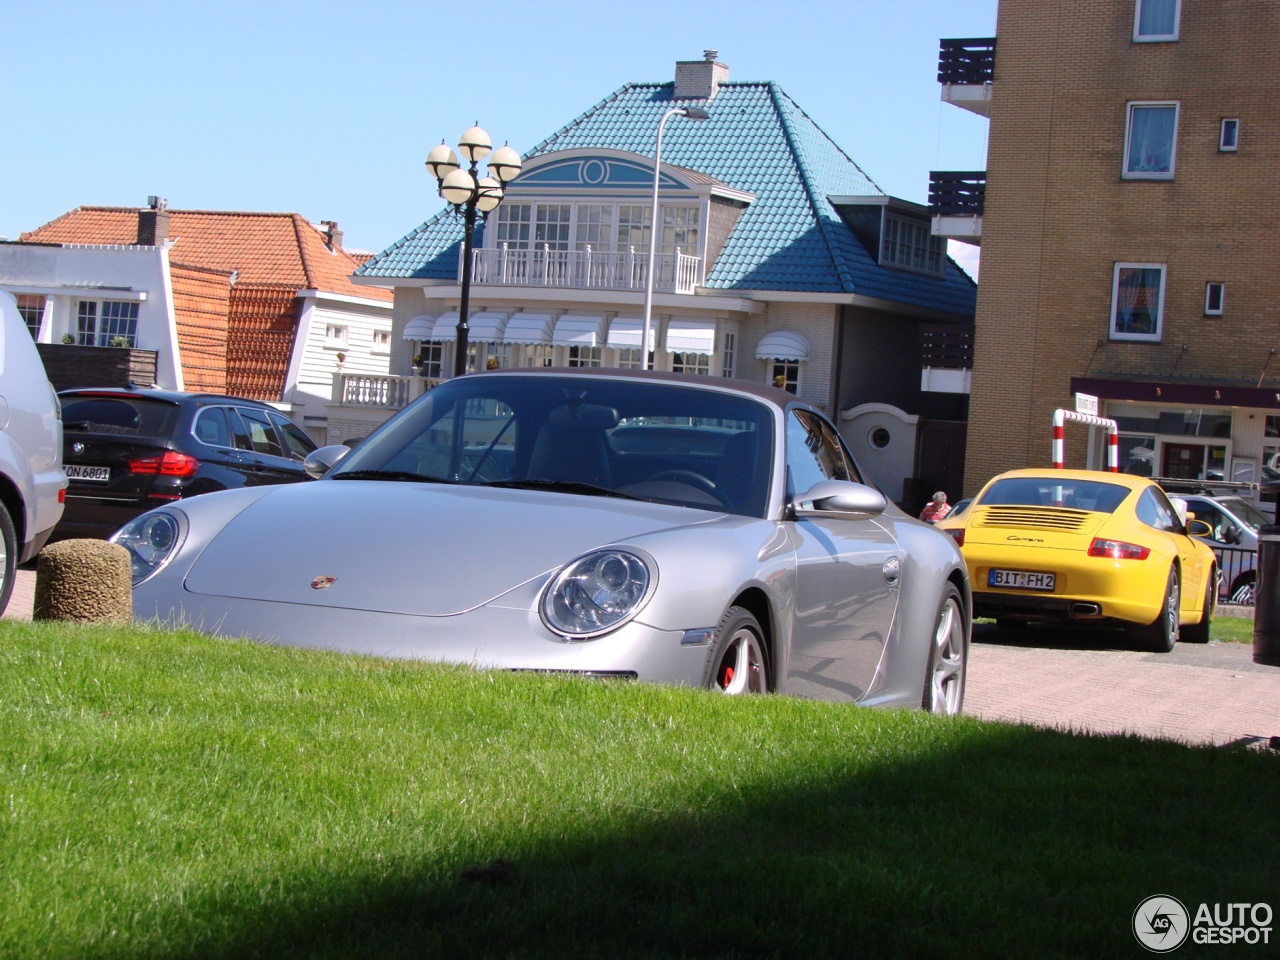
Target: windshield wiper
402 475
562 486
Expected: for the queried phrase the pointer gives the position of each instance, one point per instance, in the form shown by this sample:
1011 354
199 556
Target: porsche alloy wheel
738 664
948 655
1162 635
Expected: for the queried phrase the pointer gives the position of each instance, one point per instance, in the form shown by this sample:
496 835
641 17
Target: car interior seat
737 475
573 447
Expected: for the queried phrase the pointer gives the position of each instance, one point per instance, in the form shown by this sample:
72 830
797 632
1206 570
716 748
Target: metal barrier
1239 572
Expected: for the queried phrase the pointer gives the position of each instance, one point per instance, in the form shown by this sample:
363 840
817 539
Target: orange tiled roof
201 305
271 248
261 328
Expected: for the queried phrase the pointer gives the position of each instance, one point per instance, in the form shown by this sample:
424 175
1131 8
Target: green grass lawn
1232 629
166 795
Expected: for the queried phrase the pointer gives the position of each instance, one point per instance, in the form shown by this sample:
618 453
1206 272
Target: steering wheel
688 477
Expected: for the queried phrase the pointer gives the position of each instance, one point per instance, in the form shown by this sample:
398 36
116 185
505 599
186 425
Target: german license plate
78 472
1020 580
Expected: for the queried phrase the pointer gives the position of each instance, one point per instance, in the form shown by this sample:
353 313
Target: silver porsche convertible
685 530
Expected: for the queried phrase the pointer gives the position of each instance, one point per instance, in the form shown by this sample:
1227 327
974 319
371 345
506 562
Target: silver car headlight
597 593
151 539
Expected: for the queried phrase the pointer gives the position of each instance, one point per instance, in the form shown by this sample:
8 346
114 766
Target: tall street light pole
691 113
471 196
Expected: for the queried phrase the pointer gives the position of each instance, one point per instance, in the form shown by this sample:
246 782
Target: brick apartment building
1130 248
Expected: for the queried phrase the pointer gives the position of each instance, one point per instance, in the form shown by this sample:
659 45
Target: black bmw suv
126 451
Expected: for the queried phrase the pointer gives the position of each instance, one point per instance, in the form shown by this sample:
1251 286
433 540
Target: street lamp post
471 196
691 113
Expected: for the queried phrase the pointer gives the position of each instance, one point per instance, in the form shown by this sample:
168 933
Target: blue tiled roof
757 140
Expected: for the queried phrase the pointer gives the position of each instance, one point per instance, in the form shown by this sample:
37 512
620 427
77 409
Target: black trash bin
1266 598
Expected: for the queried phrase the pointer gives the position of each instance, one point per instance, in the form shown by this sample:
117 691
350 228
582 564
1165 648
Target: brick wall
1059 216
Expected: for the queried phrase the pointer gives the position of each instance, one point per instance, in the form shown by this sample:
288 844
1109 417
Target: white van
32 483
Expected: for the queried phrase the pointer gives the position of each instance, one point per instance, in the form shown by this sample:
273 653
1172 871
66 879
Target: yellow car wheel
1162 634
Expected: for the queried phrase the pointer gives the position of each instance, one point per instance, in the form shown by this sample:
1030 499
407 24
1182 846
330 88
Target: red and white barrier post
1060 417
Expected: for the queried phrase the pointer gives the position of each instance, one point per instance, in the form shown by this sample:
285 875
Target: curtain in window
1151 139
1157 18
1137 308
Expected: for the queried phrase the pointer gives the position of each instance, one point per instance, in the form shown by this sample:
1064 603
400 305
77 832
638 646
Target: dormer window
909 244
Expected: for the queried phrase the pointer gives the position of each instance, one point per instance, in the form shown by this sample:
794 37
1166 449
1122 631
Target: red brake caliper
727 677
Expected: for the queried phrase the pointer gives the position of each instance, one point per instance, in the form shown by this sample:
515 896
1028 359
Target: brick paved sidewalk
1213 693
1197 694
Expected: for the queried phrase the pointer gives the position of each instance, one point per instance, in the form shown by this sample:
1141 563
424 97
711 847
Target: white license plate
77 472
1020 580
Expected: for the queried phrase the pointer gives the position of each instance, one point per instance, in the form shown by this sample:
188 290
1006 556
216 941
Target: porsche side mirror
321 460
839 500
1199 528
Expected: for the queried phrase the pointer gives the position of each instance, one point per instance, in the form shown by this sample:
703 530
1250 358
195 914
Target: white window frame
1139 37
381 342
607 227
629 358
105 321
514 226
789 370
31 309
1229 142
728 353
583 356
336 336
431 354
1155 336
686 362
1210 289
909 244
1130 108
537 355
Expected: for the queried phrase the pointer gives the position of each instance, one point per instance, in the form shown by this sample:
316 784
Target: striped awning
625 333
691 336
574 330
528 328
446 327
419 328
783 345
482 328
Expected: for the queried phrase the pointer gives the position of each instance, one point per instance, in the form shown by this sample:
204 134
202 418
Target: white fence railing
380 392
606 270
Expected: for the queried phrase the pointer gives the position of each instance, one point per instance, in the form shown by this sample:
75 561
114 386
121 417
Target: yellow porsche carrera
1081 546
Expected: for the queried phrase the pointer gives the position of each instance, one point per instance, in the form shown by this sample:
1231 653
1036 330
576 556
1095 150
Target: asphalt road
1094 681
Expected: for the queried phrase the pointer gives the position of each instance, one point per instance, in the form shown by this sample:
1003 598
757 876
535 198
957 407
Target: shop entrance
1193 461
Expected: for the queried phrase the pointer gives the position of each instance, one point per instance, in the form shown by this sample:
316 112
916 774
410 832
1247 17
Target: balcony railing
585 268
967 62
957 193
379 392
947 346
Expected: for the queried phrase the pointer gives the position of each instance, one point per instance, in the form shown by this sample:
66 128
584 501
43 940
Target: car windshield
1092 495
661 442
1245 512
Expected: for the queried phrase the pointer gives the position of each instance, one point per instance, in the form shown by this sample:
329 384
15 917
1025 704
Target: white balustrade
380 392
586 268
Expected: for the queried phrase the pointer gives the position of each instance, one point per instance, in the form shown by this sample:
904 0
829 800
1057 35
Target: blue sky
328 108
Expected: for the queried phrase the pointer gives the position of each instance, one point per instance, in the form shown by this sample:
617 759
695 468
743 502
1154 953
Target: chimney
153 223
700 79
333 236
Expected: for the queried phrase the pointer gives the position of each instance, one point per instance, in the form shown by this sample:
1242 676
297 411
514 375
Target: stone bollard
86 581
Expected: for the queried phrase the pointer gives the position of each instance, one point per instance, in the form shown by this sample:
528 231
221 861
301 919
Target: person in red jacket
936 509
